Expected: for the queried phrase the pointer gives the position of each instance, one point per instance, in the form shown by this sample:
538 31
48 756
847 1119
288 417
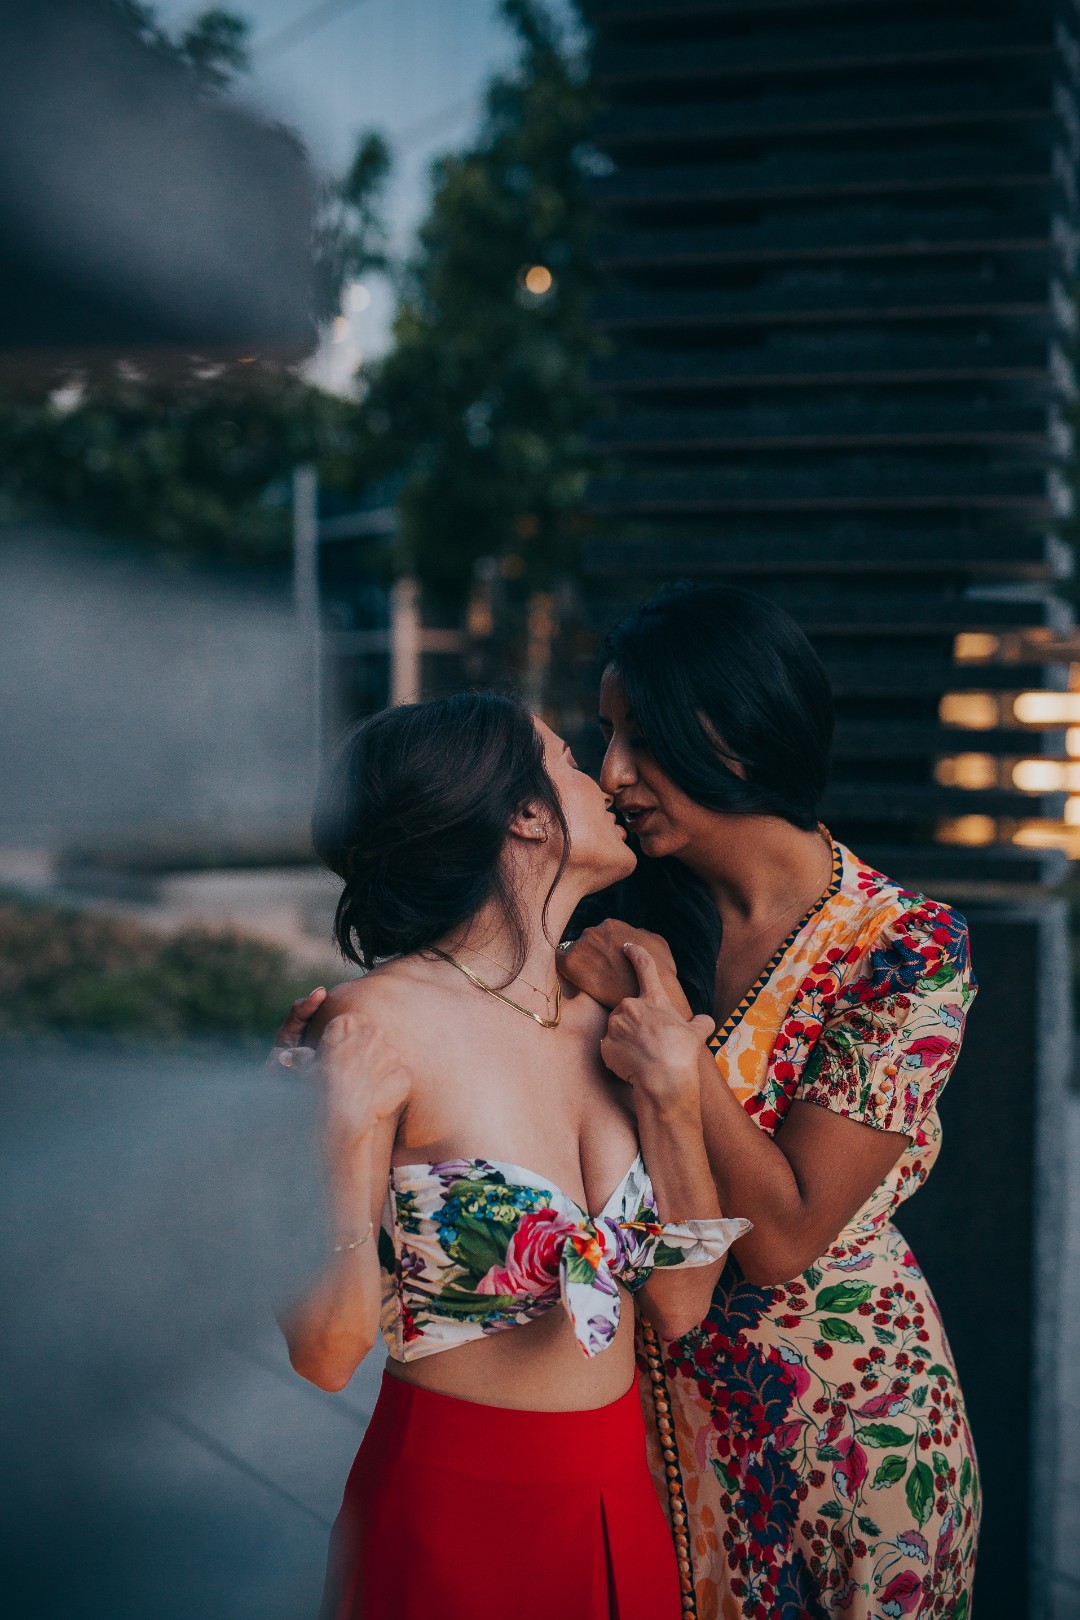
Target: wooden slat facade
836 247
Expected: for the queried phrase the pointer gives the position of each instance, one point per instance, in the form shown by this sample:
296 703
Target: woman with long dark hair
825 1465
490 1204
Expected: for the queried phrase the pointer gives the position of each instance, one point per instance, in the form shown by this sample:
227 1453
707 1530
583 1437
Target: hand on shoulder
365 1083
598 964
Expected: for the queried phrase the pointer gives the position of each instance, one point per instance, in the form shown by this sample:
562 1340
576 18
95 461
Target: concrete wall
147 702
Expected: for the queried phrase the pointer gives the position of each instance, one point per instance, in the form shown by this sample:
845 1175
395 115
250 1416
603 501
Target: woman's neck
757 866
490 944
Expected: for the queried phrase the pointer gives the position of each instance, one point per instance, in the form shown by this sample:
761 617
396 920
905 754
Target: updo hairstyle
413 814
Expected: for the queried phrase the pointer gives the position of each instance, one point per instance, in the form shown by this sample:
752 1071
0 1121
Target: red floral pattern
826 1458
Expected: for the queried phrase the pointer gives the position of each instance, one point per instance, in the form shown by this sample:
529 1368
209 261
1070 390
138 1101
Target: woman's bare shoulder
590 1015
384 995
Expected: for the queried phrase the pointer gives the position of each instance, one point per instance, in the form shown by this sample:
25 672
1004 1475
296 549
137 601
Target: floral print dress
811 1438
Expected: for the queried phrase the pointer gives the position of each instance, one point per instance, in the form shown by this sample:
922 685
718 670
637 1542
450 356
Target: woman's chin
654 845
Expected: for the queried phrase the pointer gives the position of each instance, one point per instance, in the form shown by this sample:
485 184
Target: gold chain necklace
489 989
537 987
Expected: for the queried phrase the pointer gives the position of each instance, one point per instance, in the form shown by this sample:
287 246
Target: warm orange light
967 830
974 647
1047 708
539 280
967 771
976 710
1046 776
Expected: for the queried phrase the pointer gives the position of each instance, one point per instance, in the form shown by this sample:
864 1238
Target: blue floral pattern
826 1460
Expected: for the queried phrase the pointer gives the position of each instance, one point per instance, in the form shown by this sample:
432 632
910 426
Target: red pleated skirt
455 1510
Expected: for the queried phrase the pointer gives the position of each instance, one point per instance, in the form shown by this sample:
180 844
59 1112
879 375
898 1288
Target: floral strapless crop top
472 1246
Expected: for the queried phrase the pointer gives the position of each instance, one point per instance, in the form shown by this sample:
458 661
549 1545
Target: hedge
66 971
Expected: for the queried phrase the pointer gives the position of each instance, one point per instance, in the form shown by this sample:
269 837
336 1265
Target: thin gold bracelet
357 1243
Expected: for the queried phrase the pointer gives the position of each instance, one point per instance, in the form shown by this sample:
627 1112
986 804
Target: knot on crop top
473 1246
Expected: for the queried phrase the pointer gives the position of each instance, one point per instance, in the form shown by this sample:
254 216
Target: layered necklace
489 989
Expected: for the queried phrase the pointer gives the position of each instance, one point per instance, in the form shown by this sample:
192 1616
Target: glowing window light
978 711
967 830
538 280
1072 812
1047 708
1046 776
1072 741
1040 836
974 647
967 771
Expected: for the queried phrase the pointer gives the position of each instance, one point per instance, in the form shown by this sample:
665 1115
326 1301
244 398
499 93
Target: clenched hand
650 1045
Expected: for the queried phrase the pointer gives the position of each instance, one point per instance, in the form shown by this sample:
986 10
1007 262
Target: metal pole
405 641
306 598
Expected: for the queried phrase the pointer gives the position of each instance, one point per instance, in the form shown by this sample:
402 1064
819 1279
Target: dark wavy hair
715 677
413 814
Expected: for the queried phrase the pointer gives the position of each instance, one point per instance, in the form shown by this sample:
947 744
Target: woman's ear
530 824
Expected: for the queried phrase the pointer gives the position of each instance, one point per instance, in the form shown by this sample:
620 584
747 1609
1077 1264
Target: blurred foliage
183 457
476 415
480 407
182 463
64 971
351 238
213 47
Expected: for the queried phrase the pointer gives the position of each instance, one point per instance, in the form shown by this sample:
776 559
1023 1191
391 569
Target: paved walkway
226 1491
249 1463
212 1498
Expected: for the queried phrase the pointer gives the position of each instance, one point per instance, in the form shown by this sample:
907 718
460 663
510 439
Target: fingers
301 1013
293 1057
650 984
705 1026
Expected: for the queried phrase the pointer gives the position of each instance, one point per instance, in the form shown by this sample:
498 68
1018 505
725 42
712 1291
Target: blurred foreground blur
802 318
160 1456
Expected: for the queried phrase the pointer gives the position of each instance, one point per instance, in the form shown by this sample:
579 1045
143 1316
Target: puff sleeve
894 1030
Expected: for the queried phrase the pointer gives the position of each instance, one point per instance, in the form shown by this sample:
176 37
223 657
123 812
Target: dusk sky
415 69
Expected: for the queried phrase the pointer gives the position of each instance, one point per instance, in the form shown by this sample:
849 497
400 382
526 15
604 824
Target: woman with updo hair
491 1209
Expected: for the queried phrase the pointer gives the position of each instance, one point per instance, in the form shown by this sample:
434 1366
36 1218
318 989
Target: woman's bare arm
802 1186
365 1088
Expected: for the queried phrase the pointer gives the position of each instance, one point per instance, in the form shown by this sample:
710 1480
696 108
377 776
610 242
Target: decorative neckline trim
735 1018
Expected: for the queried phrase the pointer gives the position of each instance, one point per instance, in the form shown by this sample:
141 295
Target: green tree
351 238
182 460
213 46
185 463
479 409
